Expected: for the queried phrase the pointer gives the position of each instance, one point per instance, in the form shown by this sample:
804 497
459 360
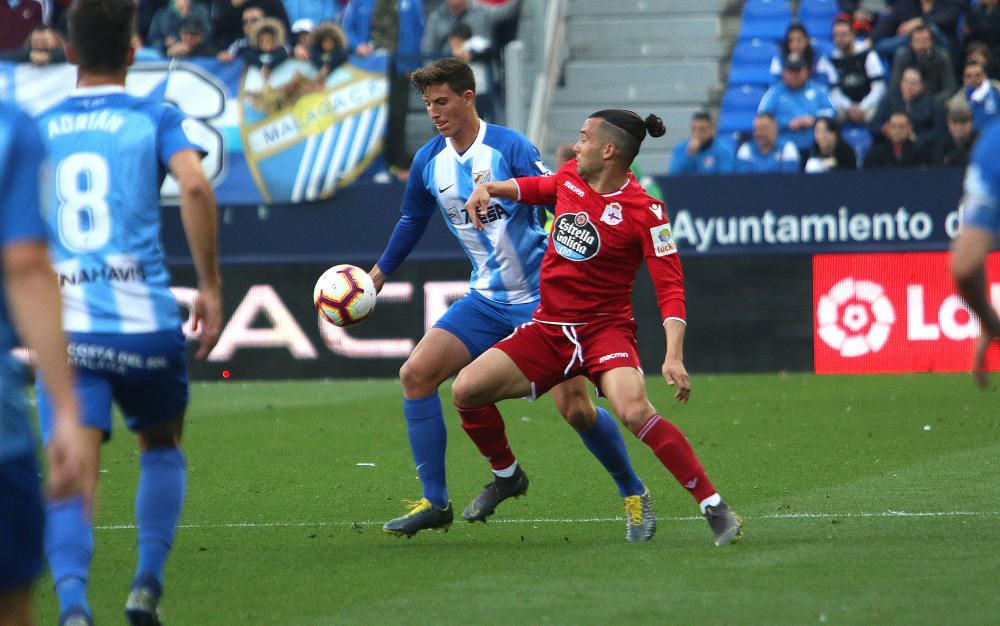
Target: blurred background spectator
315 10
393 28
301 34
795 103
227 18
475 51
979 52
954 147
252 15
194 41
702 152
855 75
901 148
18 18
481 18
904 16
925 113
43 46
829 150
765 153
978 95
933 61
165 30
266 47
327 49
796 42
982 25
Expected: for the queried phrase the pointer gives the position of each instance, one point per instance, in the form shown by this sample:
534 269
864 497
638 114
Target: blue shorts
145 374
22 522
979 215
480 322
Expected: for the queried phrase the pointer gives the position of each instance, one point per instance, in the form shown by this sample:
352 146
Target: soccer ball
344 295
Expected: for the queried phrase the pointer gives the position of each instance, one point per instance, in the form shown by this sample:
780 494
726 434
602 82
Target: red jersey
596 246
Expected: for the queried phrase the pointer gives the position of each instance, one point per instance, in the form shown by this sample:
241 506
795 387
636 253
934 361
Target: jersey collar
97 90
628 179
462 158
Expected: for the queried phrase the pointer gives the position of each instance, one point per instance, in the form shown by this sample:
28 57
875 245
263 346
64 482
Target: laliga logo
855 317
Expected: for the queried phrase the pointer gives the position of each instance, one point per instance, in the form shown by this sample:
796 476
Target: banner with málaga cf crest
284 139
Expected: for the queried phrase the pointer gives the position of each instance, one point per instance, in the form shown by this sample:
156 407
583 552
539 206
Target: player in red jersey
605 226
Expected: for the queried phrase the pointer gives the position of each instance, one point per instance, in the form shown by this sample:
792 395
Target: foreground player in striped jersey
980 227
505 255
605 227
30 308
110 152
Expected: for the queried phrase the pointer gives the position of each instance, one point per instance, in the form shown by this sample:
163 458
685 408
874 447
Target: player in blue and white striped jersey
109 154
980 228
29 300
506 256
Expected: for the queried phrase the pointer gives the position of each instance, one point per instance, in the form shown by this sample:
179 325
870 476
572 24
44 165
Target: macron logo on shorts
612 356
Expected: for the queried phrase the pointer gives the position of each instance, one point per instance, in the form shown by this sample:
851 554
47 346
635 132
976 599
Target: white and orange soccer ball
344 295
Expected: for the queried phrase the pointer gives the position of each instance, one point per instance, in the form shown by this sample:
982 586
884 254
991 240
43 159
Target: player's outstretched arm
673 369
479 201
36 308
968 256
198 213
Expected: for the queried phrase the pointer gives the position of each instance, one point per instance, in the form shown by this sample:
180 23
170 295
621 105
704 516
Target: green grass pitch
865 500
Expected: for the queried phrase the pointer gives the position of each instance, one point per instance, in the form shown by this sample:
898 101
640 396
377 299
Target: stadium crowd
899 83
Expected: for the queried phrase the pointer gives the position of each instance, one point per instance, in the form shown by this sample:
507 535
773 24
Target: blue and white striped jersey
982 182
21 157
507 254
109 153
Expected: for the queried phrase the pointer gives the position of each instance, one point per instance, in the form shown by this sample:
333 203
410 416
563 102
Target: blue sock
428 440
604 440
158 501
69 545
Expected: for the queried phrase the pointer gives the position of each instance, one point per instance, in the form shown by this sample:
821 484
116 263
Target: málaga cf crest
326 134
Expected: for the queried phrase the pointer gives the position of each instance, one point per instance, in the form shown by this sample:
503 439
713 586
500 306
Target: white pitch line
591 520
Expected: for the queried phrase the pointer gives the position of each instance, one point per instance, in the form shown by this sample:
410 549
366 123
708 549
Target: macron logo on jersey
573 188
657 210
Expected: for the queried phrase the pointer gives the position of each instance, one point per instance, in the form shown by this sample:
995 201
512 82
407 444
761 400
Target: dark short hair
451 71
626 130
701 115
100 33
922 27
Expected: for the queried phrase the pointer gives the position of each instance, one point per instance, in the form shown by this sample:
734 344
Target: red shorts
548 354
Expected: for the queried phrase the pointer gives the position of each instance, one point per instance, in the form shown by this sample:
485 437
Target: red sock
485 427
672 448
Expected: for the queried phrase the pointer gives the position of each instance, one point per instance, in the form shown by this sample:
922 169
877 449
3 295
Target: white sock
506 472
713 500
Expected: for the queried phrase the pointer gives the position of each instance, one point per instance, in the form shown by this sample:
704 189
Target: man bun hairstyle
626 130
450 71
100 34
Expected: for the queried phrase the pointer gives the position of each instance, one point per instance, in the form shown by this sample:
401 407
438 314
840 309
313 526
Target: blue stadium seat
817 16
738 108
765 19
751 62
858 138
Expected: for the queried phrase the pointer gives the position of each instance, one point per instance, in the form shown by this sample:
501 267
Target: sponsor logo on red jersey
575 238
663 240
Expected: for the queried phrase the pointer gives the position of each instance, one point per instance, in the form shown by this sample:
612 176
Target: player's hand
477 204
676 376
375 273
207 317
71 461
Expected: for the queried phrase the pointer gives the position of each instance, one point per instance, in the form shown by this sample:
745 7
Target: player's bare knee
166 435
419 379
467 392
580 415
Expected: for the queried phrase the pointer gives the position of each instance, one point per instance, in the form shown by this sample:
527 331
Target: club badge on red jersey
575 238
663 240
612 214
